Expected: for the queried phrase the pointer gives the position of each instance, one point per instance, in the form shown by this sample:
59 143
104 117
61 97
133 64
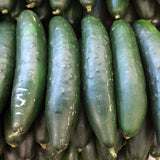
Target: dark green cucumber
98 88
7 60
63 84
138 146
30 75
59 5
117 8
88 4
129 79
6 5
74 12
70 153
12 141
43 11
155 148
89 152
130 15
40 131
103 153
17 8
10 154
149 38
27 149
33 3
82 132
146 9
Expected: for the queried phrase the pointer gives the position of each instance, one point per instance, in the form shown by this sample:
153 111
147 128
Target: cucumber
89 151
30 75
97 78
117 8
138 146
6 5
27 149
146 9
88 4
7 60
104 154
129 79
149 38
33 3
40 131
82 132
59 5
10 154
63 84
70 153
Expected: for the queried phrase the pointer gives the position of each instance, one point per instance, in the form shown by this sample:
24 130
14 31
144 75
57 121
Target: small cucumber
129 79
6 5
7 60
89 152
40 131
146 9
59 5
117 8
70 153
63 86
82 132
30 75
33 3
97 78
88 4
149 38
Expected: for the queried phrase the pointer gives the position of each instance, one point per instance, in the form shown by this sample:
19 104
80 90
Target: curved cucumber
33 3
6 5
30 75
146 9
88 4
129 79
7 60
59 5
149 38
117 8
82 132
98 81
63 84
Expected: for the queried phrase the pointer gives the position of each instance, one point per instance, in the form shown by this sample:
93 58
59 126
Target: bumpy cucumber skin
149 38
117 8
82 132
6 4
59 4
30 75
89 151
71 153
146 9
86 3
37 2
138 146
7 60
98 89
63 87
129 79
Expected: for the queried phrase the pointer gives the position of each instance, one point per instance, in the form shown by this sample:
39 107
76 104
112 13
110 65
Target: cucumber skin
86 3
117 7
129 79
146 9
59 4
30 75
7 60
6 4
148 38
64 88
98 89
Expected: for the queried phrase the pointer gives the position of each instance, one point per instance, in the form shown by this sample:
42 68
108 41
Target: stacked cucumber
79 79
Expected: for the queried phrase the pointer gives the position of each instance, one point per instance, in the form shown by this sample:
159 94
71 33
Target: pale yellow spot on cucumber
89 8
43 146
4 11
31 5
117 16
56 12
